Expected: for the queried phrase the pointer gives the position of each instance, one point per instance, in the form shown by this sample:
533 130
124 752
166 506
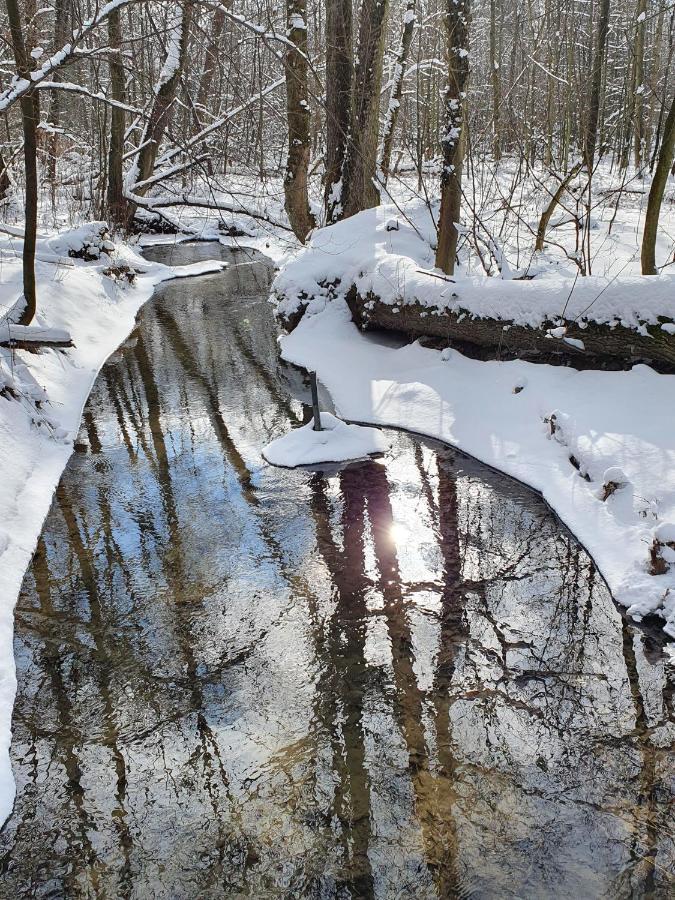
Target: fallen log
581 343
30 337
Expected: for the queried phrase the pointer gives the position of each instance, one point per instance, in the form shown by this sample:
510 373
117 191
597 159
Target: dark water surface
399 679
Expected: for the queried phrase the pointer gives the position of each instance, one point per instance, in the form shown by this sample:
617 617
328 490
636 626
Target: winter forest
337 448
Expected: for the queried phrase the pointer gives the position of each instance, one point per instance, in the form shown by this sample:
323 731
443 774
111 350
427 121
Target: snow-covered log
570 341
381 263
32 337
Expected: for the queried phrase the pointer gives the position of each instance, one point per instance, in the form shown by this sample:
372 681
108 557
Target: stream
400 678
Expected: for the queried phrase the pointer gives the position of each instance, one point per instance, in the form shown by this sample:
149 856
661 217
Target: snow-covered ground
41 400
391 255
599 446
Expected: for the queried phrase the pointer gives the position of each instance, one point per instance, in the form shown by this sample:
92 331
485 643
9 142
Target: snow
19 86
41 401
337 442
172 60
530 421
11 332
398 267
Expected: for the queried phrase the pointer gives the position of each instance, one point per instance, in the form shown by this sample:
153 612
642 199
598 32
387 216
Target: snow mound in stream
337 442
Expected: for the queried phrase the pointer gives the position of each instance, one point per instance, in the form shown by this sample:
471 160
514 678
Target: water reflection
398 679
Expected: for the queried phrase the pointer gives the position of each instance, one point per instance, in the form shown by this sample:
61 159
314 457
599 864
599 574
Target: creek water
397 678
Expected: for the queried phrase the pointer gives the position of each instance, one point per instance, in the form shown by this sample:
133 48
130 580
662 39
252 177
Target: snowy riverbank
41 400
599 446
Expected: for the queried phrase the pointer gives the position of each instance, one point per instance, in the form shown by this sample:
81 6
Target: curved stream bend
400 678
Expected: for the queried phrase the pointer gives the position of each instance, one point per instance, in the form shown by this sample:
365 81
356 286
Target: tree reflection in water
398 679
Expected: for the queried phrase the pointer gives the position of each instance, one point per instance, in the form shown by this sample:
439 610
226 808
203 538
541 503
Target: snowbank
337 442
41 401
383 252
599 446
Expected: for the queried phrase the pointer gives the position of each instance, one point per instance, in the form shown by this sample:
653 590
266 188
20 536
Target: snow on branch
79 89
222 120
22 86
159 203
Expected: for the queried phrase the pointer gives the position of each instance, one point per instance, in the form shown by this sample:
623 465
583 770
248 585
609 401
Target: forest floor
600 446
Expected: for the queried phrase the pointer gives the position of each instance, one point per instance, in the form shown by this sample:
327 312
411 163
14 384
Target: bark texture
591 137
61 8
299 121
339 75
495 80
659 181
162 107
457 24
115 202
397 89
359 184
30 115
5 182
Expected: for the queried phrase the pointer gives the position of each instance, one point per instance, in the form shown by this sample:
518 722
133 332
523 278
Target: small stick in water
315 403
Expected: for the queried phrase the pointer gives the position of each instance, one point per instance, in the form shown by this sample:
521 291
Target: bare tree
116 204
394 106
162 107
360 188
298 114
495 80
659 181
457 25
339 75
591 135
30 116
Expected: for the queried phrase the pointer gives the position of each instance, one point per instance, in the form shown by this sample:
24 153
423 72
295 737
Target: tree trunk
54 117
162 108
115 201
591 136
5 182
639 86
550 209
495 79
457 24
339 75
211 57
397 89
659 181
360 190
30 114
297 108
